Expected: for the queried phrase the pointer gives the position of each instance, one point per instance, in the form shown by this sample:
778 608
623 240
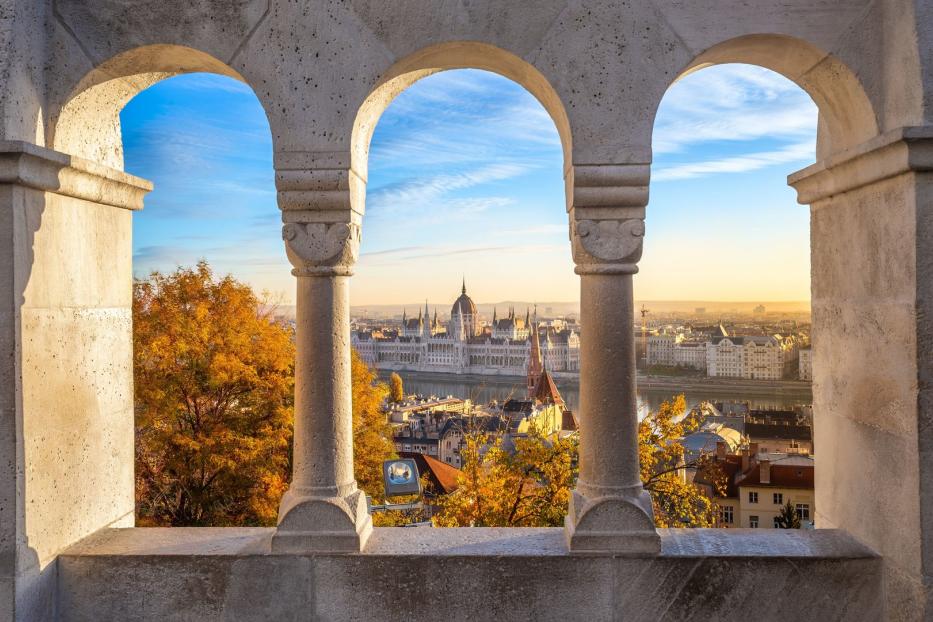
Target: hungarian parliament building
465 346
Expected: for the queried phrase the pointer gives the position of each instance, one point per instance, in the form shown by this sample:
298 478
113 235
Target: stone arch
847 117
441 57
88 122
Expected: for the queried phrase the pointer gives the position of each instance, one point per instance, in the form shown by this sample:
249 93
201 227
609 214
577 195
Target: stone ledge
35 167
825 544
467 574
899 151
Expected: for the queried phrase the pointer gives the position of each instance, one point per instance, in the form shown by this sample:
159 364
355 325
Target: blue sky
465 179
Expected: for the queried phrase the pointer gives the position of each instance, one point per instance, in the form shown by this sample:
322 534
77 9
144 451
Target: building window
779 498
803 511
753 497
753 522
726 514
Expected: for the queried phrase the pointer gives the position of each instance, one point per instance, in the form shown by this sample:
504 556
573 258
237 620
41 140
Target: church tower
535 367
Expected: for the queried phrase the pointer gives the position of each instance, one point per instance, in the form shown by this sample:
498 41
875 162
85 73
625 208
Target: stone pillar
871 229
609 509
66 363
323 510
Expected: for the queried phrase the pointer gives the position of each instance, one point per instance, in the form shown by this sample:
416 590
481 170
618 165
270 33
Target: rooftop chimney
765 473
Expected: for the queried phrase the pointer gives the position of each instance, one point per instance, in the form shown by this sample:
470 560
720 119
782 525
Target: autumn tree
788 518
530 484
525 486
372 435
666 467
396 388
213 370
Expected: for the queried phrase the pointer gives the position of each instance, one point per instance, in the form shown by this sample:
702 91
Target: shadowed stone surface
468 574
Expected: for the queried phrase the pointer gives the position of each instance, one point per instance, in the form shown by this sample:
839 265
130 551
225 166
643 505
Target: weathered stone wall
863 303
469 574
67 330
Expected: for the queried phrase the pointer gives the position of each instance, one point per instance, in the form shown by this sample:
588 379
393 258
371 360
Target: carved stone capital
607 216
318 248
607 245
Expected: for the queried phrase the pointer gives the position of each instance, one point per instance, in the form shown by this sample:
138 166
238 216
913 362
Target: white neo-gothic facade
805 364
463 346
756 357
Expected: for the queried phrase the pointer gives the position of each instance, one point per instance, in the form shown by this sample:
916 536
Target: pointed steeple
463 289
494 316
436 325
527 318
535 367
404 316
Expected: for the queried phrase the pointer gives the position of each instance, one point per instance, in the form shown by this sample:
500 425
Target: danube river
483 389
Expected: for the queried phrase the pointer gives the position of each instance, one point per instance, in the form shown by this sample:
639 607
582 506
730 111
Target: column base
617 525
322 524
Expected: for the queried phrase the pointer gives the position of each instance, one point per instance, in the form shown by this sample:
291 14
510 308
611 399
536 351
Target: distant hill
545 309
723 306
565 309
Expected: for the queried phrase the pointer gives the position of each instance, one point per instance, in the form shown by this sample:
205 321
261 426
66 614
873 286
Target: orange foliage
214 395
372 435
527 487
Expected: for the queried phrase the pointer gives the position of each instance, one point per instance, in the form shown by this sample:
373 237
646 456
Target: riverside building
464 346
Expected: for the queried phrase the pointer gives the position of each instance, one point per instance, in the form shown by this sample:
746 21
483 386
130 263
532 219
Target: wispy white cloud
462 118
736 164
734 103
427 194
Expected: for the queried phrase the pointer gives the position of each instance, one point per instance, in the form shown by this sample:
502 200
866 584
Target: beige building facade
324 72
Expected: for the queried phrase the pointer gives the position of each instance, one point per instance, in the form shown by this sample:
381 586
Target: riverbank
724 387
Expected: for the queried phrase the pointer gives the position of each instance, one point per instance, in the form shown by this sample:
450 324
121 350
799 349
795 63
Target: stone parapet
499 574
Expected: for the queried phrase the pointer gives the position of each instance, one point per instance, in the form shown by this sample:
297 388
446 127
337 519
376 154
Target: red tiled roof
729 466
442 475
782 476
546 391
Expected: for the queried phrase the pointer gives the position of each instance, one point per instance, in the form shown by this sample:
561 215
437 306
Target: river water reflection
484 390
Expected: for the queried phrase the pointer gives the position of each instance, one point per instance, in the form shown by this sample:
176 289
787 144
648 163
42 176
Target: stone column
323 510
609 509
871 231
66 363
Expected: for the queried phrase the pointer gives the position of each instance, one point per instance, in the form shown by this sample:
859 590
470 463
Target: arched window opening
724 293
465 299
212 317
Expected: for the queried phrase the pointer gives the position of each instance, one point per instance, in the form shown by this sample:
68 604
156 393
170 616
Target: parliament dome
463 305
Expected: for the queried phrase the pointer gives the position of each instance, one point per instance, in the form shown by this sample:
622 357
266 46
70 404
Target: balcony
324 73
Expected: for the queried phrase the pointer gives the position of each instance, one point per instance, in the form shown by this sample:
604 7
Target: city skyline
465 177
